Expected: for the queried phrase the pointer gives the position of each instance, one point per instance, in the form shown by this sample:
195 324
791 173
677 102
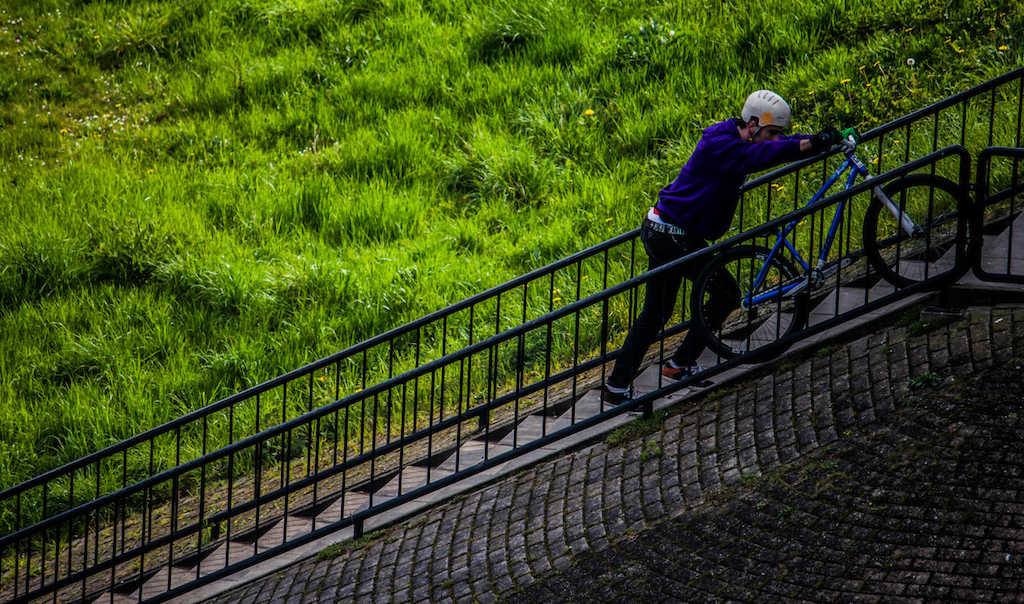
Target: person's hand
824 140
851 132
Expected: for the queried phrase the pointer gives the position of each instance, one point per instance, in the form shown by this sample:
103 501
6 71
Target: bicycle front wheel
738 306
932 205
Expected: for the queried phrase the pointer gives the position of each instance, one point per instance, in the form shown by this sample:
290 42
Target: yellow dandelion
846 81
588 112
1004 47
609 219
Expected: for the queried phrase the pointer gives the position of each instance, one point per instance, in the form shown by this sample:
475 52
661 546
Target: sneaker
621 398
678 373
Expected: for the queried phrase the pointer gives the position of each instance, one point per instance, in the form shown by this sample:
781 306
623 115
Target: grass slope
198 195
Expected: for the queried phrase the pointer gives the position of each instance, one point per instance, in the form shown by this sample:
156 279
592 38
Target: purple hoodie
704 196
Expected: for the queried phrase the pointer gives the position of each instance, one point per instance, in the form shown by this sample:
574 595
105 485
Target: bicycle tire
729 329
933 203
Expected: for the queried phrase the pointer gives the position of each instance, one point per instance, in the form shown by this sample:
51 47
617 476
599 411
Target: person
696 208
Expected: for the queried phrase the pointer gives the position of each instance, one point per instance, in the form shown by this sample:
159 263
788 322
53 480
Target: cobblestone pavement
886 469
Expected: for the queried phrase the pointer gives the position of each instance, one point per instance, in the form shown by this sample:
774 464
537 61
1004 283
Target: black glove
824 140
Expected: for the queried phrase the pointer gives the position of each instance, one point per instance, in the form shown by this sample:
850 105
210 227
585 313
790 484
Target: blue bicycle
751 296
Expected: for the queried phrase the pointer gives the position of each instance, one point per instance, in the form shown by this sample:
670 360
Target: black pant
660 300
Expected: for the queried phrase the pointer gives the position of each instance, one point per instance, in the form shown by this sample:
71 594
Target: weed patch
337 549
638 428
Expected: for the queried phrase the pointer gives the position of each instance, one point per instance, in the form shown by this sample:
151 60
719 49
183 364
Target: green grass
197 196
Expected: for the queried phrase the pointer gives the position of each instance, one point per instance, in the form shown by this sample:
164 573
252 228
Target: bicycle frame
775 289
856 168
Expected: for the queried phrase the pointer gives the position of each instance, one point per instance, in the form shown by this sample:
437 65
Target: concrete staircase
243 546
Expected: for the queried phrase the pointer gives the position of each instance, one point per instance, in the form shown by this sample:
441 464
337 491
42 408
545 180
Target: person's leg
724 296
659 302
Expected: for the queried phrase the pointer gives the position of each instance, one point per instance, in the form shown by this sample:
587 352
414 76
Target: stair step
254 535
158 584
108 597
405 481
349 503
846 299
191 561
284 530
649 380
122 592
585 407
471 453
529 428
231 552
1007 245
317 508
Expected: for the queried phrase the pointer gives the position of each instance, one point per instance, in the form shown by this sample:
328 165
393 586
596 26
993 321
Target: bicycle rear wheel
933 204
732 316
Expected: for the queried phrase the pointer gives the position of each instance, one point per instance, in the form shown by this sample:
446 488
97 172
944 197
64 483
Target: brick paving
887 469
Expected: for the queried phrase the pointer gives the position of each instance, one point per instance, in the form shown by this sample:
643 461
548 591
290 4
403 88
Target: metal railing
998 229
389 420
267 434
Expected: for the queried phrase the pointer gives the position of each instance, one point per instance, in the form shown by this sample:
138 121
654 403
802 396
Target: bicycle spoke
729 324
932 204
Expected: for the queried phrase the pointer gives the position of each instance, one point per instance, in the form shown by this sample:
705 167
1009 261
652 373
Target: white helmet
768 108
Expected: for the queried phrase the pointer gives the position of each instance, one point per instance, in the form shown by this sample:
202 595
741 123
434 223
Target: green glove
851 131
824 140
